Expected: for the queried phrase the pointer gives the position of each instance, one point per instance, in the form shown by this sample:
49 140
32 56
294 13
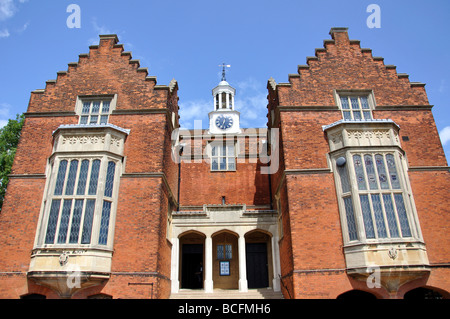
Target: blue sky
187 40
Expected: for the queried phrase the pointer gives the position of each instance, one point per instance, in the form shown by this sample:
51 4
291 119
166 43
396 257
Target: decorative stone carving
392 253
90 138
115 140
362 133
83 139
63 258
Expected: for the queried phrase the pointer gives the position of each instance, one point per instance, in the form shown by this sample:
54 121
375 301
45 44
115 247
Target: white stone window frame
212 155
354 192
81 99
99 199
358 94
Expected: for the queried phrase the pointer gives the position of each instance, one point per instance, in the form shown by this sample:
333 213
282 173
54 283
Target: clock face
224 122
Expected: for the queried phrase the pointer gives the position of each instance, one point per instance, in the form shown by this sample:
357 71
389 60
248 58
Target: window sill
385 254
385 241
57 259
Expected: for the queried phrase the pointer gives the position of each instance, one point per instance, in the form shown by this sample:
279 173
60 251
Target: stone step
263 293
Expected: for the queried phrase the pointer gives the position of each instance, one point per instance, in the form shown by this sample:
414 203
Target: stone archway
225 260
258 254
422 293
356 295
191 260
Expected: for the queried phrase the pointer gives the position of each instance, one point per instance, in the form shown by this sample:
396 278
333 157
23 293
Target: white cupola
223 96
224 118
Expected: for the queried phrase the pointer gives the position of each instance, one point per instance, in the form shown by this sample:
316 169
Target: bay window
80 201
374 196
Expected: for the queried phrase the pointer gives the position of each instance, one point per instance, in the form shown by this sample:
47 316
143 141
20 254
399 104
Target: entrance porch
224 248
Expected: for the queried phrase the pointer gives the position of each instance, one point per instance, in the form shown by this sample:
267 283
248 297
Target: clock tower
224 119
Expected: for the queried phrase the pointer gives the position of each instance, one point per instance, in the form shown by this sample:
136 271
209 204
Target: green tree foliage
9 138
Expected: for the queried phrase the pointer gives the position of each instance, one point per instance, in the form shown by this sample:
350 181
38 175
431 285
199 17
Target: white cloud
4 33
253 109
99 29
444 134
7 9
4 109
4 114
249 84
250 101
23 28
191 111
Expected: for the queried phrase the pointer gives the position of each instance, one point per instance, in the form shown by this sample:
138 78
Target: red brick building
344 194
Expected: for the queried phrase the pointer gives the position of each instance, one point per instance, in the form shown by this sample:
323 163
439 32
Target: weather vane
223 65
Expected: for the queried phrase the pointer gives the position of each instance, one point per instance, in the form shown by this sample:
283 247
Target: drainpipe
179 174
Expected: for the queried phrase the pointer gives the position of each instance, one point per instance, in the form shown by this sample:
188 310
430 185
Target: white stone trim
232 218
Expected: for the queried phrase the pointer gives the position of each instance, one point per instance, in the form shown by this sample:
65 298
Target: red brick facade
302 189
313 248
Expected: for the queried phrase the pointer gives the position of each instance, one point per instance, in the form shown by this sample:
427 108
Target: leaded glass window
377 203
348 204
355 107
80 184
110 179
224 251
220 252
64 223
351 223
87 224
94 177
359 171
71 178
104 225
367 216
95 112
82 178
381 203
76 221
378 214
61 177
52 221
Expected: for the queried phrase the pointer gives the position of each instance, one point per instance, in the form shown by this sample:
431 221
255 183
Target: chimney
339 35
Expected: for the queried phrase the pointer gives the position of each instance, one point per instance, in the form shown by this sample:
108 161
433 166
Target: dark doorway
192 266
422 293
257 268
356 295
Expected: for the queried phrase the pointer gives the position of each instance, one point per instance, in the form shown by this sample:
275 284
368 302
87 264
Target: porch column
174 270
209 285
220 100
243 287
276 264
